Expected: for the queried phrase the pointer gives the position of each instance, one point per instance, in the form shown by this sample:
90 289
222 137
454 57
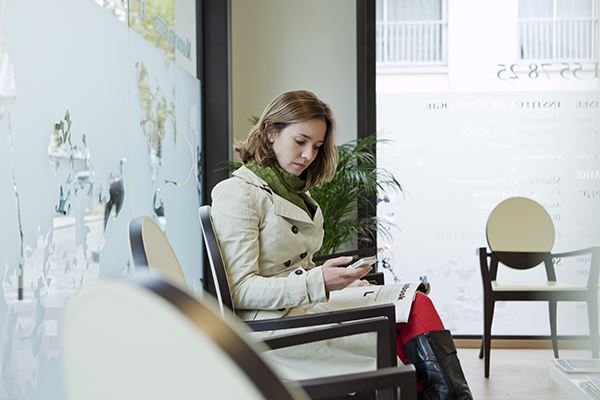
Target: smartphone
366 260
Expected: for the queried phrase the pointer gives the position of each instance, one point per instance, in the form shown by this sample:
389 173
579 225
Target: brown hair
286 109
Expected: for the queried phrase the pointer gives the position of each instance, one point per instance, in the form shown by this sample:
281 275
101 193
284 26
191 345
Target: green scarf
283 183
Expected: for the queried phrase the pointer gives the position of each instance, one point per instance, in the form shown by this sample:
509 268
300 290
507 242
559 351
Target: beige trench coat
268 244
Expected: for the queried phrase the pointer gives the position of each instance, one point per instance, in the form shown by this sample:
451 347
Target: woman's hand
336 276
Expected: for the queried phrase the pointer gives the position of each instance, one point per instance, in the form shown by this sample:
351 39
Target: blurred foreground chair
146 239
142 337
520 235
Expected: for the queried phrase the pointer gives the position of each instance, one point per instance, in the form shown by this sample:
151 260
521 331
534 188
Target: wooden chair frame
390 383
379 319
386 343
526 260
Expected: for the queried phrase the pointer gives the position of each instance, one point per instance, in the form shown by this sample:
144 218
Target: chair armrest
402 377
573 253
594 266
386 343
351 314
386 355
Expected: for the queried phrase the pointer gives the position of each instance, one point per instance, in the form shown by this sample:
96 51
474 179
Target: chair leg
553 336
592 306
481 349
488 315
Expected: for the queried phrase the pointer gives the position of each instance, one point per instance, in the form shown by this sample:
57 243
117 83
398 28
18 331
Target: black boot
438 368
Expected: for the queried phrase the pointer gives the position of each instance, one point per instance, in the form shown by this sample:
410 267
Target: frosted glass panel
457 156
485 127
98 124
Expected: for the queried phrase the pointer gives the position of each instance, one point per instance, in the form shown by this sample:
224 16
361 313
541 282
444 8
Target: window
411 32
558 29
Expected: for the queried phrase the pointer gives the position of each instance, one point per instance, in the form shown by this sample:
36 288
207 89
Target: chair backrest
215 259
520 225
141 337
151 249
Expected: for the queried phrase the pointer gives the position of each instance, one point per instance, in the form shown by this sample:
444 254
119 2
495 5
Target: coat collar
281 206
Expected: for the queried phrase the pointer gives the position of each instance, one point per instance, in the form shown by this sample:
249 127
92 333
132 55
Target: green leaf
355 184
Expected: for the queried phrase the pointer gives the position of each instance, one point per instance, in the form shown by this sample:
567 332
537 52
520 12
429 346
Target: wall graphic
98 125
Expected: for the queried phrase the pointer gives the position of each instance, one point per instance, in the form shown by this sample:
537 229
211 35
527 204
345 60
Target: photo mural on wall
106 128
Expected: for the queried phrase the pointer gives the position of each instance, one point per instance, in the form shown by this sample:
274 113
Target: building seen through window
510 108
558 30
411 32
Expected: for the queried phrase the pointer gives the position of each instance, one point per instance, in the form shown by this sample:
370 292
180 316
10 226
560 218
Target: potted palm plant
356 183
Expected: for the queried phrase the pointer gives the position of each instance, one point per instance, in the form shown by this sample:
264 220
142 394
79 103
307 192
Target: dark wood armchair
520 235
152 340
146 239
386 350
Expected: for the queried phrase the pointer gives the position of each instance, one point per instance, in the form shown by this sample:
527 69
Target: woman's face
296 146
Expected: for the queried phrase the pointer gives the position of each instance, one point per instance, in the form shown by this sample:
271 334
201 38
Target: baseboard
523 342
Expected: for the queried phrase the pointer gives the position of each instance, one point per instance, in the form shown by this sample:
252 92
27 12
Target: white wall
281 45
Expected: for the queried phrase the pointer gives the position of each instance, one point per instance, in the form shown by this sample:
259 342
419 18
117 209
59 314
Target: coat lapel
281 206
287 209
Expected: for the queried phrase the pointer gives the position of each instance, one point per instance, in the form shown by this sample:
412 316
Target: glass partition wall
500 99
99 123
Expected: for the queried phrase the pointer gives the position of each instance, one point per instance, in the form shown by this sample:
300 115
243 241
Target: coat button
303 255
288 263
294 229
298 272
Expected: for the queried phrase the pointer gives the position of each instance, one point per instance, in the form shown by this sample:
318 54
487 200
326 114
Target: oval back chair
520 235
150 249
145 338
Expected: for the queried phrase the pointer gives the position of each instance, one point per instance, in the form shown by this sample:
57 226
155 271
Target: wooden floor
515 374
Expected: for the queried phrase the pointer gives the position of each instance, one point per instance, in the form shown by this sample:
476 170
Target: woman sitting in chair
269 228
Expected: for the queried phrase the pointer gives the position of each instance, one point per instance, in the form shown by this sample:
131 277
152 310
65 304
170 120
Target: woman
269 228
